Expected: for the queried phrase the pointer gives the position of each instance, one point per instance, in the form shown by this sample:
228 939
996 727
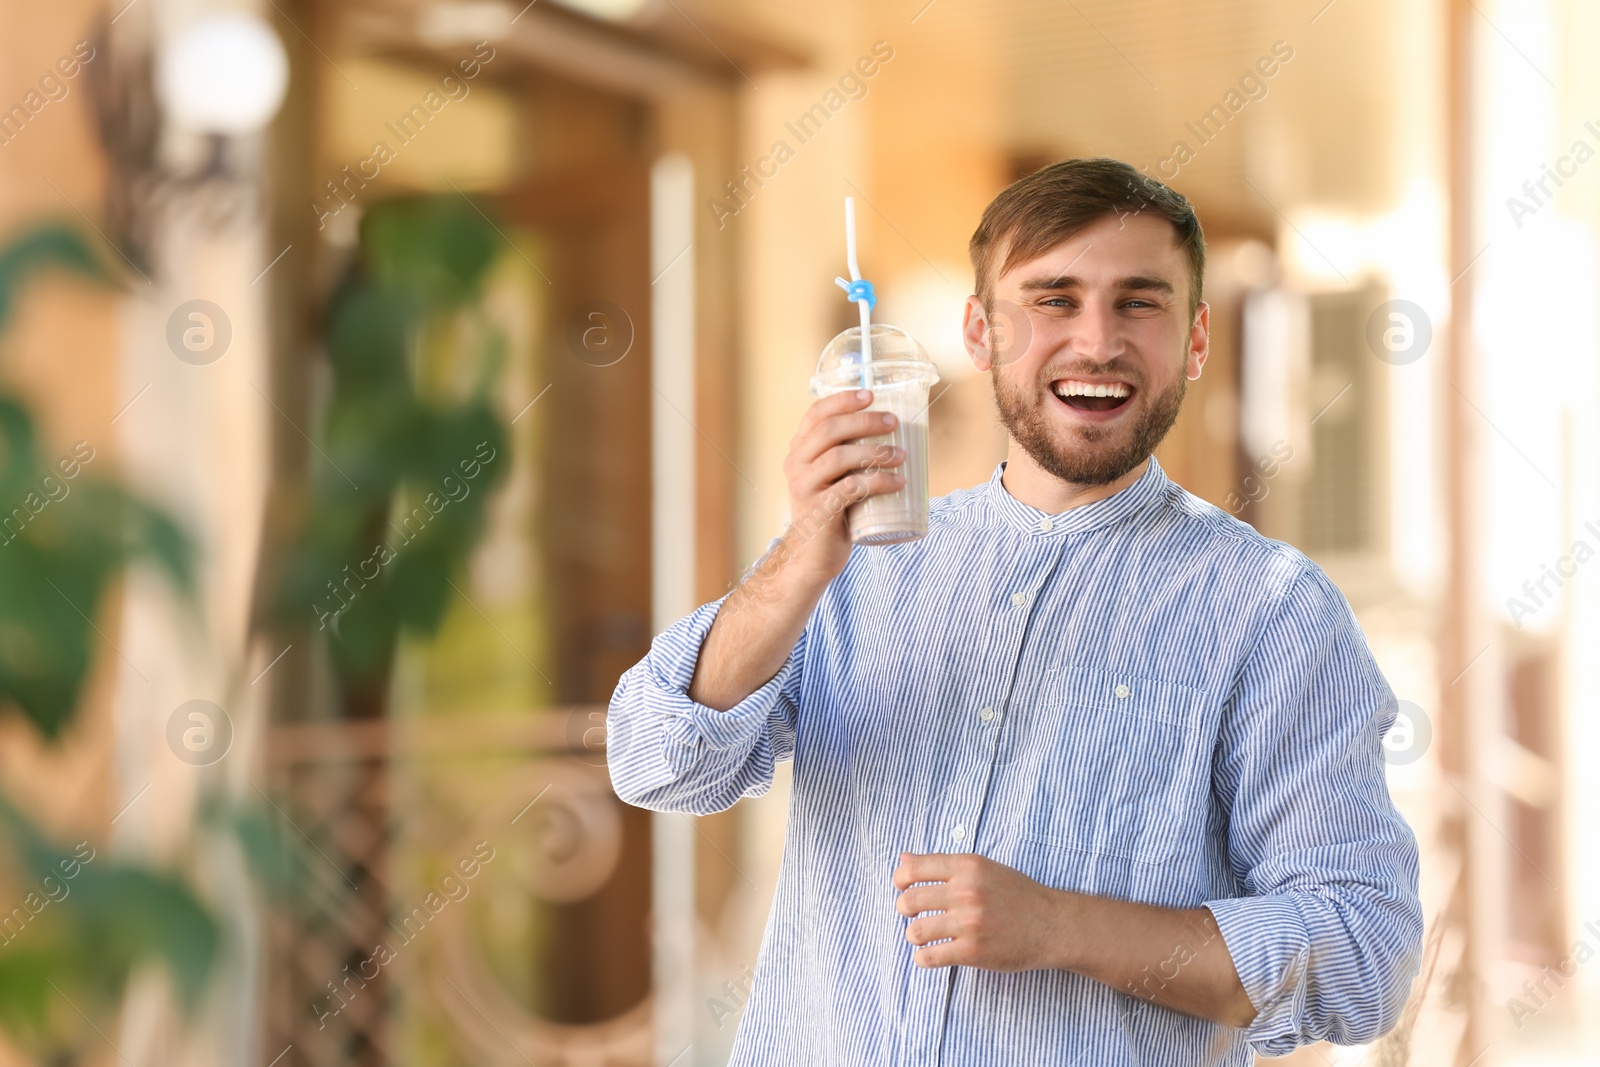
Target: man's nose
1098 332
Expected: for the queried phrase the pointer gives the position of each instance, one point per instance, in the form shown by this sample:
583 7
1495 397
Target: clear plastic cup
899 376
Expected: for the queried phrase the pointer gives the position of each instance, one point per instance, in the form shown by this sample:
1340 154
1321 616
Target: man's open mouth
1085 395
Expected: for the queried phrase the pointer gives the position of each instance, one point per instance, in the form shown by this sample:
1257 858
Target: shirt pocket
1118 763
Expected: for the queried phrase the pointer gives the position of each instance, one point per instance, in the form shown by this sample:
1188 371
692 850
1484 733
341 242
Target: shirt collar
1150 486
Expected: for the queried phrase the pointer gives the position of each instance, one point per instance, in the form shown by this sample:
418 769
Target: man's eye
1055 302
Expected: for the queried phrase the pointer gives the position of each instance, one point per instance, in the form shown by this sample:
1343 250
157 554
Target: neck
1030 483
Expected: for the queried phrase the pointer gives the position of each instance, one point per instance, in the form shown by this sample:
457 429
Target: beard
1095 454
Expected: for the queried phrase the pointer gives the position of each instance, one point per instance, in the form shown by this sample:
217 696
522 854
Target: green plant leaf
56 565
104 918
41 248
436 248
405 472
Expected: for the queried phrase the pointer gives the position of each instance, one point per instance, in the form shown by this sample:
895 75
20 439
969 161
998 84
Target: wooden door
592 222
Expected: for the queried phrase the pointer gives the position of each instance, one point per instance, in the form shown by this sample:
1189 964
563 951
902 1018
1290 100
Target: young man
1092 774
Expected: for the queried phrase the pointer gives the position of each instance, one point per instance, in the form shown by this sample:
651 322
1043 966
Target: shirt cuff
1271 950
692 729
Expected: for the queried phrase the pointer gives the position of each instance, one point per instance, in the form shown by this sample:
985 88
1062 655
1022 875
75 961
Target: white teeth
1076 388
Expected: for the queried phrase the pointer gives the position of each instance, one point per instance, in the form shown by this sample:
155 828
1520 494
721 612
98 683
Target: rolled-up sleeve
1326 936
668 753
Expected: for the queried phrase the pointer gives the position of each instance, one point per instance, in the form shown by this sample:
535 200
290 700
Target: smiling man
1092 774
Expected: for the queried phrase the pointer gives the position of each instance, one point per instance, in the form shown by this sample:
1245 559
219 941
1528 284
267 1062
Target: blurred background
378 376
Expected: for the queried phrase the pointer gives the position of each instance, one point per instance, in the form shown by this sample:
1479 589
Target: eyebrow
1067 281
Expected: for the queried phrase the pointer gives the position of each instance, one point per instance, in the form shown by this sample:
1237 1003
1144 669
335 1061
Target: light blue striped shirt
1140 698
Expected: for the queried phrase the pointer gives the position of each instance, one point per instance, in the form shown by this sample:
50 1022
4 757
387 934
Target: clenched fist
830 466
983 913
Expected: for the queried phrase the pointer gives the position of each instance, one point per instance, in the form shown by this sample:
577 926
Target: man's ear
1199 342
975 334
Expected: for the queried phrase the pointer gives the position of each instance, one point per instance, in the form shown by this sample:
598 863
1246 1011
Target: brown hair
1035 214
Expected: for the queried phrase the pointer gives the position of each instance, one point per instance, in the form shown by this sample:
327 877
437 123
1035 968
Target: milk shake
899 374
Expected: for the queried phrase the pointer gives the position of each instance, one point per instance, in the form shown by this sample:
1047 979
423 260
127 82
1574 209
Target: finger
944 954
860 484
837 429
828 406
841 429
914 868
841 459
932 928
921 898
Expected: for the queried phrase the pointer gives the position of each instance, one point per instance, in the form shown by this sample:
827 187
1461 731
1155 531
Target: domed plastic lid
896 357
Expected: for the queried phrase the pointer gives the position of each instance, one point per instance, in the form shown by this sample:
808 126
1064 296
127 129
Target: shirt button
1018 599
985 714
1122 691
1046 525
959 833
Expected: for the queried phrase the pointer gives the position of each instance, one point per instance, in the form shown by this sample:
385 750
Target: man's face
1106 311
